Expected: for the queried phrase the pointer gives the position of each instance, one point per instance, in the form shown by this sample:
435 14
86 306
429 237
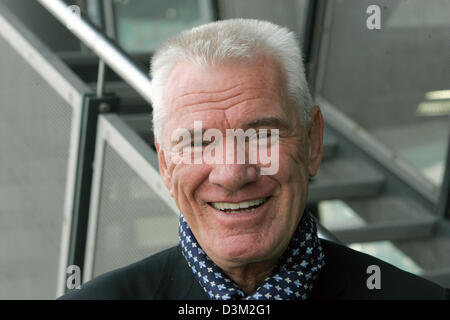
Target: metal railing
107 51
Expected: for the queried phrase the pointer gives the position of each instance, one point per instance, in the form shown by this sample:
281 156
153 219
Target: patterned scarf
291 279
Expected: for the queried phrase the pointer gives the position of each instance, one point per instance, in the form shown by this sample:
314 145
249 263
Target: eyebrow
269 121
192 135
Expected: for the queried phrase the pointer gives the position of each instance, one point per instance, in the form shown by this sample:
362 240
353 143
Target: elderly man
244 232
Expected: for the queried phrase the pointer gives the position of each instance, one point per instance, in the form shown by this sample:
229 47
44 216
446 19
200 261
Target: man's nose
233 177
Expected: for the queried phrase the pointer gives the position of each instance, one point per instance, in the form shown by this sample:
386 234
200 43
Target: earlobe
315 135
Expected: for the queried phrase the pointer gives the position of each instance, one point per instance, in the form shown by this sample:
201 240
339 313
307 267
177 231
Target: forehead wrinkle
210 92
210 101
202 89
228 101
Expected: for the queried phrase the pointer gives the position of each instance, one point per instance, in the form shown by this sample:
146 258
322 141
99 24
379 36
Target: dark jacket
166 275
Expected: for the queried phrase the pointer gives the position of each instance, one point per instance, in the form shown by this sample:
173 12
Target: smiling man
244 231
241 219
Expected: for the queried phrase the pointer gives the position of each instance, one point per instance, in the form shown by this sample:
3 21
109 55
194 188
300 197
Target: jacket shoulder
139 280
349 274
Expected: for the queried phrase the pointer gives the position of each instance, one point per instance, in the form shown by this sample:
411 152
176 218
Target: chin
243 249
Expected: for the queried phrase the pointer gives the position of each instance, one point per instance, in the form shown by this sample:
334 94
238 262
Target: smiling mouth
244 206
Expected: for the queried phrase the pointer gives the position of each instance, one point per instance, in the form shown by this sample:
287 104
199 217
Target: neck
249 277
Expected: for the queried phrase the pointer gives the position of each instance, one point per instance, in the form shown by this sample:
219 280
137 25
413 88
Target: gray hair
225 40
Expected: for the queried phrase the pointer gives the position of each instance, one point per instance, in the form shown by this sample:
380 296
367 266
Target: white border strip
68 200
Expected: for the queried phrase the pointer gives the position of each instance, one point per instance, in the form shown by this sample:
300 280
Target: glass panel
393 81
133 222
35 126
143 25
292 14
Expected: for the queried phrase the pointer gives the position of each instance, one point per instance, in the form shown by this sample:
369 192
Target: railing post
93 106
444 198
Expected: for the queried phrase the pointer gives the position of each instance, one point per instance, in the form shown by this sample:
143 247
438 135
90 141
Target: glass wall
394 81
142 25
385 64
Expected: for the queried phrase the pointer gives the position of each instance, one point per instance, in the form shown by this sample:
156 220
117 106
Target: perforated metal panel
35 127
133 222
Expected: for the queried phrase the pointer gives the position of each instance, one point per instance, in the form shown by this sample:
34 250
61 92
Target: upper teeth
239 205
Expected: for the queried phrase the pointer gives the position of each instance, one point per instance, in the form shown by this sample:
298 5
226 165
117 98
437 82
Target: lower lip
244 213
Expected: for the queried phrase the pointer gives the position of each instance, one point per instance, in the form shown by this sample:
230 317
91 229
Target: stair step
388 217
380 231
344 178
431 253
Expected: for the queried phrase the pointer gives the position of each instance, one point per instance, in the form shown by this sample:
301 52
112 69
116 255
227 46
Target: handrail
102 46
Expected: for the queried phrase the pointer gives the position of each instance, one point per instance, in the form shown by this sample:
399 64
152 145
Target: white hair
224 40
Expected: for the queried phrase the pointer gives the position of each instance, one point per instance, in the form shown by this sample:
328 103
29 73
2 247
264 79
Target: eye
268 136
202 143
264 133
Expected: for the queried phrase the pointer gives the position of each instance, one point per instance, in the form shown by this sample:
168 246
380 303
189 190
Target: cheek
186 180
294 159
293 178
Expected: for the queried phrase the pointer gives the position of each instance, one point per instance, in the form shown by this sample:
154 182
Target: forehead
228 95
187 75
191 85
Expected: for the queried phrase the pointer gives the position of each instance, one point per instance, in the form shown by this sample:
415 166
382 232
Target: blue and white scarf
291 279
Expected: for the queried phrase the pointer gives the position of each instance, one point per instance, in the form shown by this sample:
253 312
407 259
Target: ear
315 135
163 169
